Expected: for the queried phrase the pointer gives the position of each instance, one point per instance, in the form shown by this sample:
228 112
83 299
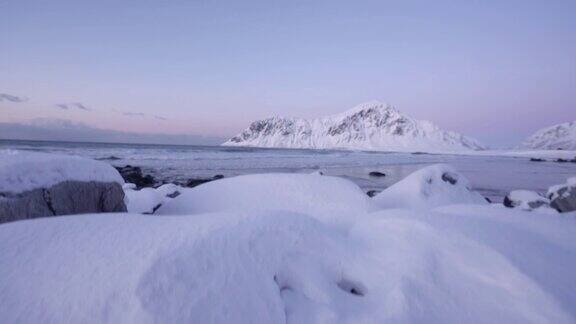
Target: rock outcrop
525 200
563 197
38 185
65 198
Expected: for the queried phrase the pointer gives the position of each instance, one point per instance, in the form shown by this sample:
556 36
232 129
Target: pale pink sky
494 70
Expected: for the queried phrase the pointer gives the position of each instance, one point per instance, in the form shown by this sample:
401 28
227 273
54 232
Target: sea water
492 175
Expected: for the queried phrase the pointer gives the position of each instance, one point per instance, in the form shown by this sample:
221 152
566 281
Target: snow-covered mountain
557 137
369 126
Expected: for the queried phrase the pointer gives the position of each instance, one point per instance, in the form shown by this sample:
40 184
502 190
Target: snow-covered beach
288 248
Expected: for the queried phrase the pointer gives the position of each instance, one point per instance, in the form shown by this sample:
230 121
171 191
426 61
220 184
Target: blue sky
494 70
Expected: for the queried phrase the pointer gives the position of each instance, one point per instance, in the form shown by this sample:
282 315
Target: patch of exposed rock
64 198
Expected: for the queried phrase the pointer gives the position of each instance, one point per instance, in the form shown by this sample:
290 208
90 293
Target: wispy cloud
74 105
11 98
134 114
142 115
66 130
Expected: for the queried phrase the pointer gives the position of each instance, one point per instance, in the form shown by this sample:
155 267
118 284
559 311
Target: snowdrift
295 248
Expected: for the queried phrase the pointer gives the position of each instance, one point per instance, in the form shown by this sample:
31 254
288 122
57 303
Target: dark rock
508 202
173 194
133 174
537 160
450 178
154 209
372 193
377 174
64 198
488 199
561 160
563 199
109 158
198 181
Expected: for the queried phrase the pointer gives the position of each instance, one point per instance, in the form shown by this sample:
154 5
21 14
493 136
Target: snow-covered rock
561 136
432 186
148 200
525 200
38 184
321 196
24 170
369 126
563 197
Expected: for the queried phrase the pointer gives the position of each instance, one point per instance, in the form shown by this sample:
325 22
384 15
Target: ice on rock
432 186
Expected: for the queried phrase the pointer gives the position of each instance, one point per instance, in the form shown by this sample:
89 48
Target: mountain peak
373 105
557 137
369 126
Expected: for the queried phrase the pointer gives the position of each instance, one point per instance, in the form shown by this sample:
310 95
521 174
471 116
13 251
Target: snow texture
23 171
557 137
369 126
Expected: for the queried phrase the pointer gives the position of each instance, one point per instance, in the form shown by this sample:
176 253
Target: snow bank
210 268
431 186
22 170
301 193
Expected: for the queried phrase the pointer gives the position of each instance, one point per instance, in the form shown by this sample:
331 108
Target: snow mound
432 186
301 193
22 170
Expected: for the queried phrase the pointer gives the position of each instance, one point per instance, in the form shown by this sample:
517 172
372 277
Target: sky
493 70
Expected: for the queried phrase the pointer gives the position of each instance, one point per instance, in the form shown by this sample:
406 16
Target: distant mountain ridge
369 126
557 137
